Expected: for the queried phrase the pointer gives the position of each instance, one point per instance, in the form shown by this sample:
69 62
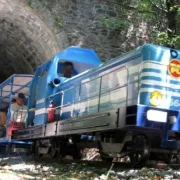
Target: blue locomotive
128 105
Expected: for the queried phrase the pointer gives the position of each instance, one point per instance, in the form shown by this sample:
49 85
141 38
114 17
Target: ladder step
170 143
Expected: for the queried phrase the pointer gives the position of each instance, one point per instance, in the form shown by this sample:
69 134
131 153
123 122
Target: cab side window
66 69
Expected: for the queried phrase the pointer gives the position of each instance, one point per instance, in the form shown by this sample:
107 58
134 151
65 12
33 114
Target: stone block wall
81 22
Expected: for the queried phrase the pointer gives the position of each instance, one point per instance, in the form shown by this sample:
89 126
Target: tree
162 16
165 15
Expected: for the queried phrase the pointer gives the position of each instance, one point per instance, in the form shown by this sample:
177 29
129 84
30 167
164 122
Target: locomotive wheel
75 152
141 149
106 157
178 156
54 151
36 150
8 150
173 158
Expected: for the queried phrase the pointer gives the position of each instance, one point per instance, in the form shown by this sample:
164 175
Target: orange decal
174 68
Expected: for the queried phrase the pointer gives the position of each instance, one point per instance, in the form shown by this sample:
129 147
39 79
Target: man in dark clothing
67 69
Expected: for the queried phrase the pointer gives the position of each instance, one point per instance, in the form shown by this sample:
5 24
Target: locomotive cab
72 62
50 77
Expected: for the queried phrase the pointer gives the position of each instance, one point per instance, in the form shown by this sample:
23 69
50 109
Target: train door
40 99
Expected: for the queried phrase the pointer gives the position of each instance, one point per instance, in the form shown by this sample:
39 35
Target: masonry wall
32 31
83 22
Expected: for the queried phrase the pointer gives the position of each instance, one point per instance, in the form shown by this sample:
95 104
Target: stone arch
25 41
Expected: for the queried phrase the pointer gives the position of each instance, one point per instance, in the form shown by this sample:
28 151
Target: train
126 106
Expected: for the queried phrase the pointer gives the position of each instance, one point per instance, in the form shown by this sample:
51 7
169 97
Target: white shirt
18 113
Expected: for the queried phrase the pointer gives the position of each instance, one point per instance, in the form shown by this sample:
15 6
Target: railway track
121 165
99 163
77 168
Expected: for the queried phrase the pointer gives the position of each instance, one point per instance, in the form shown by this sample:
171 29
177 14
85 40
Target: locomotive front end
159 94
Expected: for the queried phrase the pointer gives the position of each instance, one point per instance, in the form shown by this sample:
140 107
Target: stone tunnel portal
25 40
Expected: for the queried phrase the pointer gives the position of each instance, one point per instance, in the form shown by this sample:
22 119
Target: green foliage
163 17
114 23
57 22
165 14
152 9
163 39
178 14
145 11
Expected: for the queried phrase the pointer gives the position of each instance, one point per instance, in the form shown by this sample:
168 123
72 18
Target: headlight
172 119
157 116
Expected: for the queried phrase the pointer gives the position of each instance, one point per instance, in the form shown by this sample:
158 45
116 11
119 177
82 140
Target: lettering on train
40 101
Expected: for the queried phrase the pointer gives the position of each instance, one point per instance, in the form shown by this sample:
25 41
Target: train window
89 98
66 112
134 73
114 80
113 99
68 96
60 70
132 93
88 106
71 103
90 89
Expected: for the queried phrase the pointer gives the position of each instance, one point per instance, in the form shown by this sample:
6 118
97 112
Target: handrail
99 98
62 99
16 114
79 87
59 92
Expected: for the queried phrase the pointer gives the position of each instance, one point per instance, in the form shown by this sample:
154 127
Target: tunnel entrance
17 52
25 40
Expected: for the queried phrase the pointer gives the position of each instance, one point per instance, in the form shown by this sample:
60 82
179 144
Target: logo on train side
40 101
156 98
174 68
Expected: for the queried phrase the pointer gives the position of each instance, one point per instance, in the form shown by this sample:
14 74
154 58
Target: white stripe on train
164 92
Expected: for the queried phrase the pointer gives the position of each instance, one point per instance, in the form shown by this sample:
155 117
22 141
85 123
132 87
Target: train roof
83 59
145 52
79 55
149 52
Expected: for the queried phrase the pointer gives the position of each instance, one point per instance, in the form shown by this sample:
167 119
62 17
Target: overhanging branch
156 6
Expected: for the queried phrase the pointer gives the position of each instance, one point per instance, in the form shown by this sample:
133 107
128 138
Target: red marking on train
174 68
160 166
